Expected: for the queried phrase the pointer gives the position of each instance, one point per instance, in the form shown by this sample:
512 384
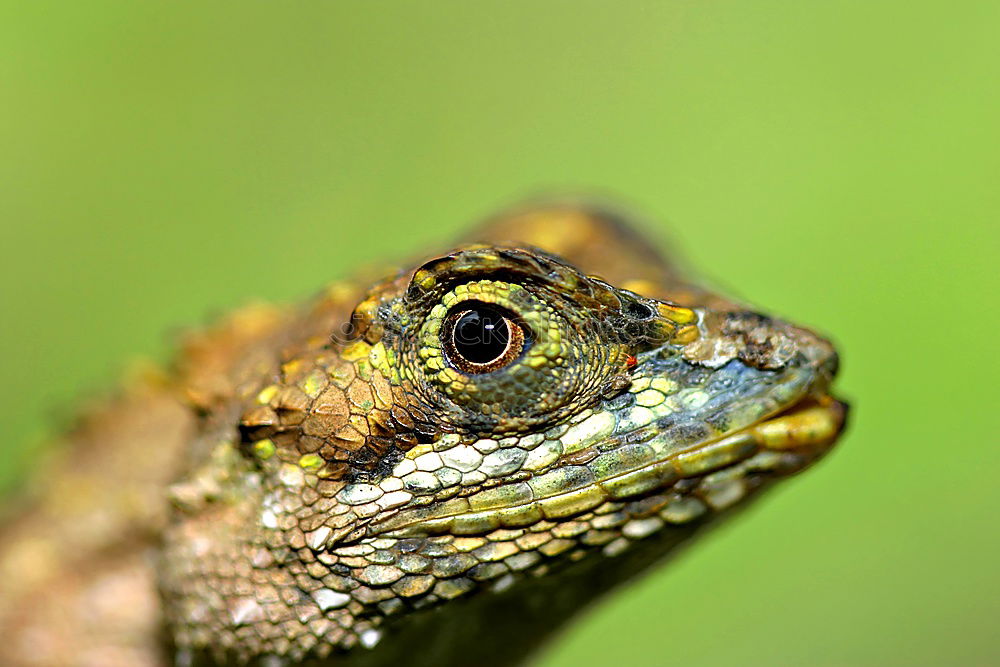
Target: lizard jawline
807 428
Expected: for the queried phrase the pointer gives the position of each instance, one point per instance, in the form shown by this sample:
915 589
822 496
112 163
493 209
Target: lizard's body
299 489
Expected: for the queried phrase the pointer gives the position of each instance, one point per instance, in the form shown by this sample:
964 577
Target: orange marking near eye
631 362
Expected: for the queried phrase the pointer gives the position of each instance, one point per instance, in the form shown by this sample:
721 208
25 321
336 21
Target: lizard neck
505 628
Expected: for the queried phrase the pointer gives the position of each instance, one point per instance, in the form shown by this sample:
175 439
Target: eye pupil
482 338
482 335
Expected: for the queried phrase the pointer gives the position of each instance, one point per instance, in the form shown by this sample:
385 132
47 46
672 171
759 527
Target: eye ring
638 310
481 338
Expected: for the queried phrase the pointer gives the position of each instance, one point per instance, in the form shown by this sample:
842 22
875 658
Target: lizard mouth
813 423
778 444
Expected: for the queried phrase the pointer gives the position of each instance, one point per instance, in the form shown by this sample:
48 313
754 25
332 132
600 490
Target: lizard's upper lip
803 431
812 423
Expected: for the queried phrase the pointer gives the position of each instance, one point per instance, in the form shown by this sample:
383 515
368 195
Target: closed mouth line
626 472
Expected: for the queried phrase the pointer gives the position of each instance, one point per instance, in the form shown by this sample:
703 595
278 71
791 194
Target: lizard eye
481 338
505 350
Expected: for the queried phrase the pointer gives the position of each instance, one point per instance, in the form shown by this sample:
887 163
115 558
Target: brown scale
342 424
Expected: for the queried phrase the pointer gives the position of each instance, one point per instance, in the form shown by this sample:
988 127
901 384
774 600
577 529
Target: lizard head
491 417
531 394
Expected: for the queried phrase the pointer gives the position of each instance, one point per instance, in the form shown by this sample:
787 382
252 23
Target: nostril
818 351
832 363
824 356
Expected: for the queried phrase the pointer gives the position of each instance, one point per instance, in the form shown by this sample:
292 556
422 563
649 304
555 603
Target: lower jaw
802 433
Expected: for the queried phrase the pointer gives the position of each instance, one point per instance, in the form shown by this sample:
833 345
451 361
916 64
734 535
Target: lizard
440 466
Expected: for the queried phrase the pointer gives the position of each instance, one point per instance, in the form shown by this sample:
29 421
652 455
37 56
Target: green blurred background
836 162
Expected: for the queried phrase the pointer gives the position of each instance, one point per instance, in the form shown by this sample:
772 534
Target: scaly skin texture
339 484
